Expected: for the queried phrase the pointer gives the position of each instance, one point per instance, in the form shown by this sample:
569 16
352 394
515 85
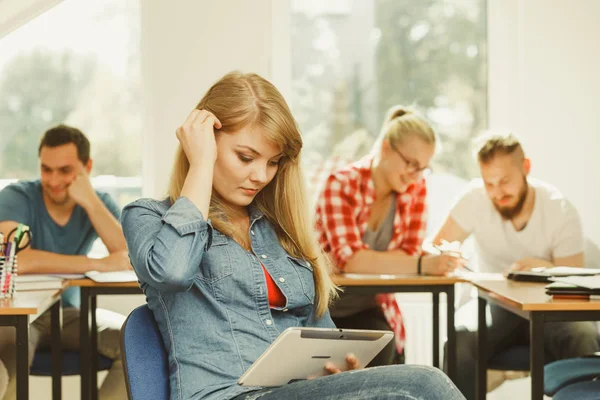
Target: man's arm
527 264
450 232
106 225
576 260
44 262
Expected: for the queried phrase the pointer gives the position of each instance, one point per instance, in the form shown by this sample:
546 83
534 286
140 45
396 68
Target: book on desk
572 289
57 281
550 274
25 283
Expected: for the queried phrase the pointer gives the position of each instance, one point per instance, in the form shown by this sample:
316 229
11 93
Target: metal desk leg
94 350
57 367
451 332
481 372
22 357
436 328
536 348
84 343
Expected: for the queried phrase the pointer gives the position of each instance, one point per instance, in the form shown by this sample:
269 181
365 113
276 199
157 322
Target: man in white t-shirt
518 223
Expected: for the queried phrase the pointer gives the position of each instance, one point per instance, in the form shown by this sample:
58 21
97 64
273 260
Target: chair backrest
144 356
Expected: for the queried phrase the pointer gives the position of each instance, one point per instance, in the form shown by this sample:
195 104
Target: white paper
589 282
69 276
566 271
116 276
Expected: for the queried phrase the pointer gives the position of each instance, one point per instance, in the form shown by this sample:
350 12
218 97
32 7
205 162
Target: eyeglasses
412 166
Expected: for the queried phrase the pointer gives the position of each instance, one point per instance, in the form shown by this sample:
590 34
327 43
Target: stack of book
575 287
37 282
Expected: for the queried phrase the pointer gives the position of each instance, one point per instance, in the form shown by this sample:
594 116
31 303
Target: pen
453 253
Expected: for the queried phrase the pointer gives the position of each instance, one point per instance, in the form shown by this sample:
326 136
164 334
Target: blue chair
144 357
563 374
589 390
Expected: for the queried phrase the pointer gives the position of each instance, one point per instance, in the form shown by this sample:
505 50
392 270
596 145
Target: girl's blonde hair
239 100
399 123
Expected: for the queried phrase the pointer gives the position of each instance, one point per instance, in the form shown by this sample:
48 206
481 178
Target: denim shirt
209 295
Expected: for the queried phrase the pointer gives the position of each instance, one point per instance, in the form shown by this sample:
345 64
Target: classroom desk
370 284
88 336
529 301
19 312
399 284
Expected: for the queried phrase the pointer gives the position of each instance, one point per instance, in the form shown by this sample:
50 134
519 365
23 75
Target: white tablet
299 353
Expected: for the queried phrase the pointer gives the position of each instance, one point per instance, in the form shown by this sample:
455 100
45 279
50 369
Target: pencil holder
8 272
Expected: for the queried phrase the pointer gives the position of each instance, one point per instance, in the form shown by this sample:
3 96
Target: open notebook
115 276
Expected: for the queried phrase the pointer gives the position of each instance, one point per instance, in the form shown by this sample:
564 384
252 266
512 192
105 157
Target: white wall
545 85
543 62
186 46
15 13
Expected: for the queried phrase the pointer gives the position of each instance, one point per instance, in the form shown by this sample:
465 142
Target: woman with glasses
371 218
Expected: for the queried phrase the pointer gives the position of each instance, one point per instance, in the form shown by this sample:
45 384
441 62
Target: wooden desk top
85 282
531 296
525 296
29 302
395 280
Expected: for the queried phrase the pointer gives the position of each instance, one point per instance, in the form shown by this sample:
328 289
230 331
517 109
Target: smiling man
518 223
66 215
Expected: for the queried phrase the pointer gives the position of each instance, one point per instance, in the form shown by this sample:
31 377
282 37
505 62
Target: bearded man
518 223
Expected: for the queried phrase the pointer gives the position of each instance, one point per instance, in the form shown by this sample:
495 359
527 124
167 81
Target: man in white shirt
518 223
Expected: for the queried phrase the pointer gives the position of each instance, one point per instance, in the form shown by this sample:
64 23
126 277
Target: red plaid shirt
343 210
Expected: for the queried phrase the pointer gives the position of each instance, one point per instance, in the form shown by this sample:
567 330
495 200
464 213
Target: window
353 59
79 64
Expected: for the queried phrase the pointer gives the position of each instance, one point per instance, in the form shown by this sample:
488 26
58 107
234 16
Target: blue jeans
401 382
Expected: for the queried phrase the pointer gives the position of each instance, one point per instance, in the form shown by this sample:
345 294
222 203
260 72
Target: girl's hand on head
351 363
197 136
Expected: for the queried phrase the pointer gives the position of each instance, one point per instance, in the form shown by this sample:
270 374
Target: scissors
17 235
